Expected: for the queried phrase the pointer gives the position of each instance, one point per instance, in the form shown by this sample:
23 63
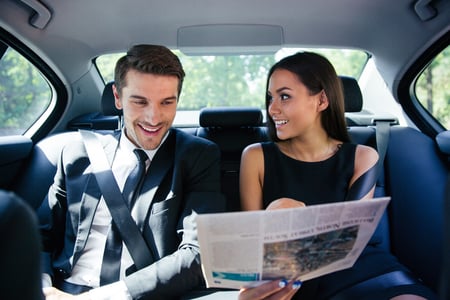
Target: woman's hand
52 293
284 203
272 290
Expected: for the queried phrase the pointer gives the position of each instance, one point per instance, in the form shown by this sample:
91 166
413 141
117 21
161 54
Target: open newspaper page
242 249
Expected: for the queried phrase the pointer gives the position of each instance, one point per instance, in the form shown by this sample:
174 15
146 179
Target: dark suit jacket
183 180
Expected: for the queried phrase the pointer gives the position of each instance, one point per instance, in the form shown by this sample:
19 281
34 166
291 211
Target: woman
310 160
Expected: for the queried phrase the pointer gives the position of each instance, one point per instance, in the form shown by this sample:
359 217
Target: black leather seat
232 129
20 274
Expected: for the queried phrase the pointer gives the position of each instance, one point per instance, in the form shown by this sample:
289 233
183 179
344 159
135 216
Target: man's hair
151 59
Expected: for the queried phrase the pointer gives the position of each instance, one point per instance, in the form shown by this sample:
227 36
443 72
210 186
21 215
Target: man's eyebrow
138 97
171 98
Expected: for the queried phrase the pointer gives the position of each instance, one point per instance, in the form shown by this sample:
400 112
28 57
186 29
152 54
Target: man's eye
168 102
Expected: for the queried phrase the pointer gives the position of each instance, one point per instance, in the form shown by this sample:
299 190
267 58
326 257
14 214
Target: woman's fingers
284 203
273 290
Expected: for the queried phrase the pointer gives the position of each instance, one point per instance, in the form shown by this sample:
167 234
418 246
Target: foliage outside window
24 94
237 80
433 88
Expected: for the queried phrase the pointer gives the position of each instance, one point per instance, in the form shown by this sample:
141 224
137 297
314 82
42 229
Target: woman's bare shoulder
253 149
366 155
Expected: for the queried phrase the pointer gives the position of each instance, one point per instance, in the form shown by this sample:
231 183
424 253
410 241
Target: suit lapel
162 162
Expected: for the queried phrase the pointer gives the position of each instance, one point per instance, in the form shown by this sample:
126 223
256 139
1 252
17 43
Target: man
182 179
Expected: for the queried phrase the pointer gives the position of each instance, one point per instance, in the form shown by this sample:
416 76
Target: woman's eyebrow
282 89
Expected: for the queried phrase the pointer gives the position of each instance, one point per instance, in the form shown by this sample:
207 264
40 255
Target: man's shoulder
76 148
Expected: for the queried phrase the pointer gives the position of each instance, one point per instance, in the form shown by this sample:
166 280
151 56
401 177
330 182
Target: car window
433 88
25 94
234 80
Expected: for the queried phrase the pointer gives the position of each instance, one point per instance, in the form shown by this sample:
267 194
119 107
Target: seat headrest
229 117
352 94
108 102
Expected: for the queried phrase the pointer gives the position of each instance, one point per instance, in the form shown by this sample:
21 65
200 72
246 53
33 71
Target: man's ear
323 101
117 100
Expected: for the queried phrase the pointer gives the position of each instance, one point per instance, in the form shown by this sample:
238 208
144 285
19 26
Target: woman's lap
378 273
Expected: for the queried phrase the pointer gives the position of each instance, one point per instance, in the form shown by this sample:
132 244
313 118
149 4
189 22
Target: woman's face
291 106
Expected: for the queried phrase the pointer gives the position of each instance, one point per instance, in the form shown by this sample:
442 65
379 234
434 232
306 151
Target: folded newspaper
243 249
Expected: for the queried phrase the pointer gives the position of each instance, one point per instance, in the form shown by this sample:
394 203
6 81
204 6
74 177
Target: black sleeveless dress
324 182
311 182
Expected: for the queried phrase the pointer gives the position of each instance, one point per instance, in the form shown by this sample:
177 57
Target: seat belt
129 231
383 128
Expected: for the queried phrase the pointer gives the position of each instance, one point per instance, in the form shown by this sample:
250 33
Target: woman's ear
323 101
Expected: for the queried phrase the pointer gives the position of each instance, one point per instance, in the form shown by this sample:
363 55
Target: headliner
80 30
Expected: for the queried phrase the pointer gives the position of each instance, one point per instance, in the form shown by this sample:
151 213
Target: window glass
24 94
234 80
433 88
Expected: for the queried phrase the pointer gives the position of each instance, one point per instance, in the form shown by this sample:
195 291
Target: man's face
149 104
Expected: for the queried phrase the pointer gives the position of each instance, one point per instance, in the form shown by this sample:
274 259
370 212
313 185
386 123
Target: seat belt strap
375 174
383 128
127 227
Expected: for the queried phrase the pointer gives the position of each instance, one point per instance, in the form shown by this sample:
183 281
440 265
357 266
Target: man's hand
52 293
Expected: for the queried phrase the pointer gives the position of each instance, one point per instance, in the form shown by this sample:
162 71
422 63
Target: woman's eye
284 96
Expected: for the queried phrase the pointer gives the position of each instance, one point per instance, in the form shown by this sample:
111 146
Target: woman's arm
251 177
362 184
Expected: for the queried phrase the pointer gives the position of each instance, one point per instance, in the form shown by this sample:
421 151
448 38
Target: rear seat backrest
232 129
41 168
416 178
110 118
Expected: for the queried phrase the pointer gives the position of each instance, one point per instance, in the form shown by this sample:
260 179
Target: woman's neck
315 148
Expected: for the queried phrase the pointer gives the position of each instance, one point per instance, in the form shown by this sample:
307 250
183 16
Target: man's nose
153 114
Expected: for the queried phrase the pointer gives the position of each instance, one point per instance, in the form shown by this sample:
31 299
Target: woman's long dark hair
317 74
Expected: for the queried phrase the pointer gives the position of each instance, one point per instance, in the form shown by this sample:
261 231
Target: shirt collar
126 145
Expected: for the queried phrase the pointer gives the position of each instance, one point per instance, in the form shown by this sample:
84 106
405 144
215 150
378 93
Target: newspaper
243 249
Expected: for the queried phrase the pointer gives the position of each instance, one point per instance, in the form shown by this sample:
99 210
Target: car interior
401 39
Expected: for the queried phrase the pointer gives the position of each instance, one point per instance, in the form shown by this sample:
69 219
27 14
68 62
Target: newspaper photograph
242 249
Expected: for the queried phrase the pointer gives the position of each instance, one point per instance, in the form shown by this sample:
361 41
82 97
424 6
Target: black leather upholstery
108 106
352 94
232 129
231 117
20 274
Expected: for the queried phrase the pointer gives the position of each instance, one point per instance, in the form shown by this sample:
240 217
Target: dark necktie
110 271
135 179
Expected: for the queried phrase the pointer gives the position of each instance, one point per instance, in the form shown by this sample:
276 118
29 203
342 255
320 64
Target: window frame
50 117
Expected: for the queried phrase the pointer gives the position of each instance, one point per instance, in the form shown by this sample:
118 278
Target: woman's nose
273 107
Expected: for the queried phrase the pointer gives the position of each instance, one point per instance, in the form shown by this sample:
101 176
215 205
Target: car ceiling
391 31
